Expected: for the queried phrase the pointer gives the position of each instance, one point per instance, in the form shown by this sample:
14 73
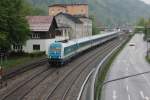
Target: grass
148 59
15 61
105 69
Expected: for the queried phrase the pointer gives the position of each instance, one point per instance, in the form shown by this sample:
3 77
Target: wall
78 30
78 9
63 20
87 27
44 44
70 9
55 10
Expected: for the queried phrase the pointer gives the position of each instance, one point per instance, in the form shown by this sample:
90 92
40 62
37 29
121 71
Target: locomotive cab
54 53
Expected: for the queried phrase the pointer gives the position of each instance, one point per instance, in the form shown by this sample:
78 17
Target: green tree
95 30
14 28
30 9
141 23
147 33
145 23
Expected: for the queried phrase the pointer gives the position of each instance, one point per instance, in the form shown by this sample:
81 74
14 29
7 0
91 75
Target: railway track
54 80
70 79
71 71
24 68
27 85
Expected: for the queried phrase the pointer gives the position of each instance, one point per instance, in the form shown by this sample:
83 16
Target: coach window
36 47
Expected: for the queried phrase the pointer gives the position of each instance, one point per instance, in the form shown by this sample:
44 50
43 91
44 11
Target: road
129 75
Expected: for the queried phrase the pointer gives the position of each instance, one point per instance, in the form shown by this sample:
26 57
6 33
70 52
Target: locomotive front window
55 49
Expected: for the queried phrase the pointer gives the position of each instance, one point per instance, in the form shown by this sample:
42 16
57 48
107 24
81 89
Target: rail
23 68
84 84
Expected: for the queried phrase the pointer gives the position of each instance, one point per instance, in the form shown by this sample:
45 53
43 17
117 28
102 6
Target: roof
74 19
40 23
64 5
83 39
81 16
61 25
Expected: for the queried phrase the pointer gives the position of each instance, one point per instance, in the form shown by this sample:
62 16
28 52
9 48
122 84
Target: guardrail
84 84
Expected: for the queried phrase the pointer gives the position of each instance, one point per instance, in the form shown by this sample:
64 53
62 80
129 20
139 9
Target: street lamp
148 47
147 39
3 57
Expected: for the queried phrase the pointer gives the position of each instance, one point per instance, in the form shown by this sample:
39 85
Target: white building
43 32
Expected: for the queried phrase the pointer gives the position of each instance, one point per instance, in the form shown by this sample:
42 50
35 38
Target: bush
23 54
36 54
17 54
148 59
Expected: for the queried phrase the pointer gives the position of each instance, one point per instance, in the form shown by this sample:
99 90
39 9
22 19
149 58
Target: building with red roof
43 31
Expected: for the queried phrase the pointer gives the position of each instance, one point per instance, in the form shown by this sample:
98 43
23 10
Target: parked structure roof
40 23
61 25
73 18
81 16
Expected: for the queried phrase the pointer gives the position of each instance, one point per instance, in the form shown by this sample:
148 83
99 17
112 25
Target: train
61 52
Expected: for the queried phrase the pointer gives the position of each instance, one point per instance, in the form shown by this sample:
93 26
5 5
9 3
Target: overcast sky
146 1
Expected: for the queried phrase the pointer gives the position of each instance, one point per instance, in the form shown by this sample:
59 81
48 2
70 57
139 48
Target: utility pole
147 39
3 58
1 70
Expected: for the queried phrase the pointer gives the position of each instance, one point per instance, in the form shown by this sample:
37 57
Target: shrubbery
21 54
36 54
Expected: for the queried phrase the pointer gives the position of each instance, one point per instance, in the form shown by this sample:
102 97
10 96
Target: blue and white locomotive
60 52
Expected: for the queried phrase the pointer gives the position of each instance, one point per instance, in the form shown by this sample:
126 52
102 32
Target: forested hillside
106 11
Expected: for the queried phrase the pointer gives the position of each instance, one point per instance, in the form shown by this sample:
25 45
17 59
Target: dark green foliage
36 54
95 30
31 9
140 25
148 59
145 23
23 54
14 28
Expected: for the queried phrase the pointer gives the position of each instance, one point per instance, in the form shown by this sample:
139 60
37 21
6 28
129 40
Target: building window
36 47
35 36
